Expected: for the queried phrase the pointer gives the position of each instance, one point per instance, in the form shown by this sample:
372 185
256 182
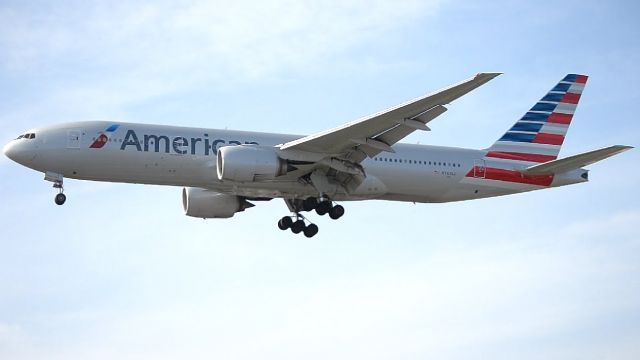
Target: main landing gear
297 222
298 225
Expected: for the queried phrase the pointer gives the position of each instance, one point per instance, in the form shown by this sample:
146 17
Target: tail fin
539 134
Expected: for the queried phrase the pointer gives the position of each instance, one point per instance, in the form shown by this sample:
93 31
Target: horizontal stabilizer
575 161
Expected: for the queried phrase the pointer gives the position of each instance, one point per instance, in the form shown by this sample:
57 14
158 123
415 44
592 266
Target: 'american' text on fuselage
179 144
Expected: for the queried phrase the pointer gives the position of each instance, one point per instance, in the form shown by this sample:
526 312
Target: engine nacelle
248 163
209 204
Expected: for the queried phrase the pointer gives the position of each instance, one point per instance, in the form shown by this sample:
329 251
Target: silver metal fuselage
180 156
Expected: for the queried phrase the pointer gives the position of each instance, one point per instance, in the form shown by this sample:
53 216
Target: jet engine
209 204
248 163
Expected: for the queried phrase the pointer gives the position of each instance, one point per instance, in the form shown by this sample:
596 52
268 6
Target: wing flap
407 126
575 161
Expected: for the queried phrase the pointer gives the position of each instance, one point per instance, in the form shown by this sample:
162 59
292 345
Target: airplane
224 172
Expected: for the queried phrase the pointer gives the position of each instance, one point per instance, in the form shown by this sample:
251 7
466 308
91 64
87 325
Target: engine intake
248 163
207 204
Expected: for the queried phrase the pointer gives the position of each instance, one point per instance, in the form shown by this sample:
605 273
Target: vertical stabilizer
538 136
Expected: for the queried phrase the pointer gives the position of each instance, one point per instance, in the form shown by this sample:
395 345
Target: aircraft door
73 139
479 169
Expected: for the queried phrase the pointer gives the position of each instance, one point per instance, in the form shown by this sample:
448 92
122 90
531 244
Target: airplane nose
10 151
18 153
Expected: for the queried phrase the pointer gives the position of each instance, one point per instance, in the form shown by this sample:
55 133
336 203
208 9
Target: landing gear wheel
309 204
336 212
60 199
285 223
297 226
323 208
311 230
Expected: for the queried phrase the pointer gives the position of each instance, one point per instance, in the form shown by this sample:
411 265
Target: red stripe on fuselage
511 176
520 156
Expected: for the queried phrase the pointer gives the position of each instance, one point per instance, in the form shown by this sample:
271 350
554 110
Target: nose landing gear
60 197
57 180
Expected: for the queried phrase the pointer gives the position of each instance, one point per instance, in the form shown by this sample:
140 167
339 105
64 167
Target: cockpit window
27 136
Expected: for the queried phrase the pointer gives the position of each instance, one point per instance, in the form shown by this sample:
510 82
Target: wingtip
617 149
489 74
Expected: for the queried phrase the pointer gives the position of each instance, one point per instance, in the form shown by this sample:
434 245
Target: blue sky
119 272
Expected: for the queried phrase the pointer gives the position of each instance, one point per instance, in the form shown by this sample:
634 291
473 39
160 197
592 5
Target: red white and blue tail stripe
539 134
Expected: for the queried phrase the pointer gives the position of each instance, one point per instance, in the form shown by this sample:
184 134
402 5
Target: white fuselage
180 156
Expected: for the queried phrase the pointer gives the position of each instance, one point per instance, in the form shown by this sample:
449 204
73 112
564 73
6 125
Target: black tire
336 212
311 230
297 226
309 204
60 199
285 223
323 208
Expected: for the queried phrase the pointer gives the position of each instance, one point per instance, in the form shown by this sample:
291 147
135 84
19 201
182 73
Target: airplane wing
369 136
575 161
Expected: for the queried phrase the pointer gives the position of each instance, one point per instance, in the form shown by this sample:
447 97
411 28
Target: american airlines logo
102 138
179 144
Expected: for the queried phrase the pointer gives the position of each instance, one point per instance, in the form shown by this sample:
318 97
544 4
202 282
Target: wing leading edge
379 132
